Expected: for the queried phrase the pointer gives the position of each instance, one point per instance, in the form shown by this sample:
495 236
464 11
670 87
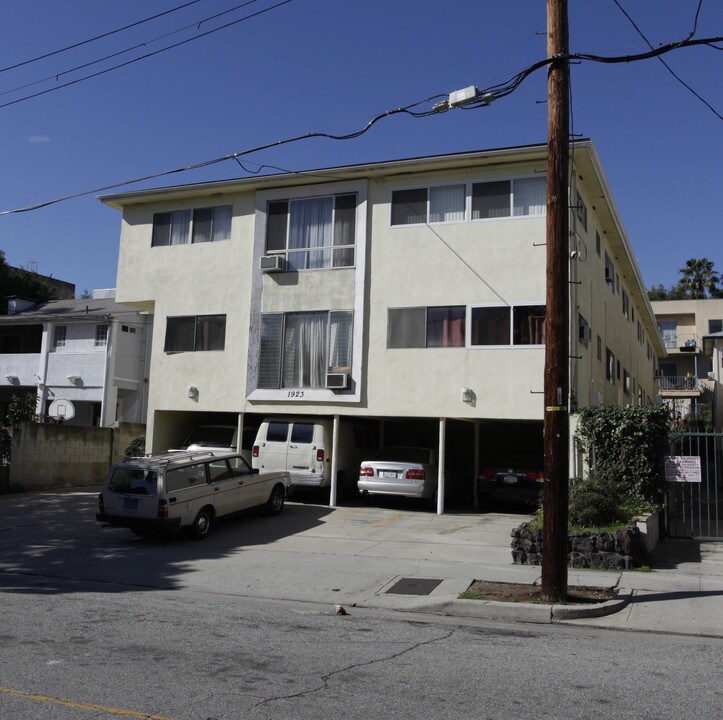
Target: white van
302 446
161 494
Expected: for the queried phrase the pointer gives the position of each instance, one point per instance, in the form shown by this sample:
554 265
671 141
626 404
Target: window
581 211
518 325
609 366
584 330
506 198
626 382
421 327
715 326
200 225
195 333
626 304
609 273
490 326
101 335
298 349
597 243
599 348
314 232
60 333
447 203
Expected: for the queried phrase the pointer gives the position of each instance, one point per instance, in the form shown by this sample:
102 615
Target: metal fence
695 509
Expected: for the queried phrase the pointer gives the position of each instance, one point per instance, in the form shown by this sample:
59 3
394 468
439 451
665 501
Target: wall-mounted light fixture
74 378
468 395
193 392
12 378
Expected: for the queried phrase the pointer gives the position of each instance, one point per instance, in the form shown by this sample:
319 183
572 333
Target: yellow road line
82 706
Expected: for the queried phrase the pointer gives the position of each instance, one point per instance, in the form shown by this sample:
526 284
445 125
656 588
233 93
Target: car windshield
136 481
211 437
408 455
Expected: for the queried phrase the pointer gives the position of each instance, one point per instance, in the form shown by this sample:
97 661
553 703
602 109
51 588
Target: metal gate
695 509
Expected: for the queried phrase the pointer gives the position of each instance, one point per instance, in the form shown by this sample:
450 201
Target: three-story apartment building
407 293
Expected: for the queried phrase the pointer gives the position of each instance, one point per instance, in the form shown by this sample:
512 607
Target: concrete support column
334 456
440 466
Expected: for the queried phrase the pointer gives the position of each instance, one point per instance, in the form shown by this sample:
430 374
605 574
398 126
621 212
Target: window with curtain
446 203
298 349
528 323
101 335
409 207
183 226
195 333
314 233
490 326
491 199
407 327
445 326
529 196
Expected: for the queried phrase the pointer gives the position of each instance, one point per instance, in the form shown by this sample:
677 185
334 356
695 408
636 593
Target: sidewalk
682 595
391 557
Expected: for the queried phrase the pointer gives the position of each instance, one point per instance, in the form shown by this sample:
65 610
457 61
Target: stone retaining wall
619 550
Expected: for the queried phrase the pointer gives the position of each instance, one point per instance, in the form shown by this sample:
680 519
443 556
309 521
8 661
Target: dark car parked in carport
509 484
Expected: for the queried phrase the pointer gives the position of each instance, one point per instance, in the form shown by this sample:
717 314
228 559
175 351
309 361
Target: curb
523 612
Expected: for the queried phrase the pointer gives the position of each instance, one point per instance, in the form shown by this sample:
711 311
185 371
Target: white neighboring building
410 293
94 353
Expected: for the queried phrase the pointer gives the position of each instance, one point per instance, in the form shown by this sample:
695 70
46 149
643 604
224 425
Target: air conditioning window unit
337 381
271 263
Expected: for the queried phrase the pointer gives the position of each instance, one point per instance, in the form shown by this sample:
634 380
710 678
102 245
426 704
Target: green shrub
136 448
626 448
595 504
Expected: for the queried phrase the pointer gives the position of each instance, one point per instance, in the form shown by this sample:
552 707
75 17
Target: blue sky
330 65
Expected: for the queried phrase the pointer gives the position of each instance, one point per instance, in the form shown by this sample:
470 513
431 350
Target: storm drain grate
413 586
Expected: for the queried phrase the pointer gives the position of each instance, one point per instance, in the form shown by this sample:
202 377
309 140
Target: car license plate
388 474
130 503
510 479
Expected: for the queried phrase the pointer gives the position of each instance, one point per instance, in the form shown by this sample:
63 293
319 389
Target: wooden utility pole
556 441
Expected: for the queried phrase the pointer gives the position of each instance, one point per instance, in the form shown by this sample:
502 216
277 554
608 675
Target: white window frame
189 227
468 200
331 248
60 336
101 335
511 345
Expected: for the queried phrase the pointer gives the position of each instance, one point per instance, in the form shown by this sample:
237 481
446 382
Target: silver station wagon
162 494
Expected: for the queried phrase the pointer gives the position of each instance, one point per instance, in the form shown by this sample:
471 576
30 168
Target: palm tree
699 279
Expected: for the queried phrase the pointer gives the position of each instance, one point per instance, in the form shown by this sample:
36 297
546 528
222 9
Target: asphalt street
100 624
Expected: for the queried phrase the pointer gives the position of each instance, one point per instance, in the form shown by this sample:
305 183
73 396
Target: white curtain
305 350
311 227
180 222
340 338
530 196
446 203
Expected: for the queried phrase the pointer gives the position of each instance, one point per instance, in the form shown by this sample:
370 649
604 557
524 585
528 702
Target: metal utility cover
413 586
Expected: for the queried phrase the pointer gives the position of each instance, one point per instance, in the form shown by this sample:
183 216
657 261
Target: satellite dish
61 409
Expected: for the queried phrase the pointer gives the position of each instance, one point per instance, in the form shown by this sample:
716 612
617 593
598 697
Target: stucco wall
52 456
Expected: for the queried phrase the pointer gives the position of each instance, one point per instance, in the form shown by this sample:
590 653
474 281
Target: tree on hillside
16 281
699 280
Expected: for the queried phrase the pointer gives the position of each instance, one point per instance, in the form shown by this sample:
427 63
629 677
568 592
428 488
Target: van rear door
272 441
302 461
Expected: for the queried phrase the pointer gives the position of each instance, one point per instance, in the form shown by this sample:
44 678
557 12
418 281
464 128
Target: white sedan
410 472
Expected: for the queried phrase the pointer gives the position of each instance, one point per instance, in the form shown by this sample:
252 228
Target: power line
147 55
486 97
665 64
97 37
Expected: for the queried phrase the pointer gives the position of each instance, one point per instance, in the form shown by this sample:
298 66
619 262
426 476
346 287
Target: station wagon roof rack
166 458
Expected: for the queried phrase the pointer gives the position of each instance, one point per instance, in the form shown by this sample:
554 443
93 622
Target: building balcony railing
683 342
678 382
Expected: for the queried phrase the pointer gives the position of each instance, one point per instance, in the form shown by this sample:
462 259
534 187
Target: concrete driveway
309 552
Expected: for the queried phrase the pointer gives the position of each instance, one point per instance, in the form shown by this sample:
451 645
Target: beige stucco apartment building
409 293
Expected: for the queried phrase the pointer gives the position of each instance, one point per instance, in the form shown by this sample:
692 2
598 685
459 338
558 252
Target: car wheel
275 503
202 524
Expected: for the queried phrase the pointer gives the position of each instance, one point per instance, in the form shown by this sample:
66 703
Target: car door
225 487
254 488
300 458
